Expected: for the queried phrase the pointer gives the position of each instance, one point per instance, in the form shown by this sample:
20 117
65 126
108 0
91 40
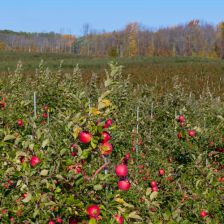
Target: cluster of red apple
105 147
153 184
181 120
93 212
122 171
3 103
44 115
191 133
58 220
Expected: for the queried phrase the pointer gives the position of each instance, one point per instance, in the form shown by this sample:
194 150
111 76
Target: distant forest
194 38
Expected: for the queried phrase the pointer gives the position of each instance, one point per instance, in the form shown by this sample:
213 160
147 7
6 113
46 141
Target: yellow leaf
92 221
94 111
119 200
104 103
121 210
123 202
76 131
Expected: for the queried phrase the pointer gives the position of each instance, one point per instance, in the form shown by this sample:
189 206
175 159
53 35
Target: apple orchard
108 151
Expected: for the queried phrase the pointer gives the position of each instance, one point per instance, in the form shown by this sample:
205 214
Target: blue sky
68 16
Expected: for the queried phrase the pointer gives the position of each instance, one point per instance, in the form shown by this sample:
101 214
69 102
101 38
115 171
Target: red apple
105 148
73 146
93 211
220 149
72 221
59 220
121 170
51 222
141 166
22 159
124 185
127 156
191 133
161 172
182 124
25 195
203 214
85 137
34 161
179 135
44 115
2 105
181 118
108 123
119 219
133 149
4 211
20 122
153 184
45 107
155 189
105 136
73 153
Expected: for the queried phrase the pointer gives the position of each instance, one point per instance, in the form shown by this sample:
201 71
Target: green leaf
27 198
85 154
108 82
45 143
50 203
92 221
93 144
9 137
31 146
44 172
98 187
153 195
148 191
63 151
36 213
134 215
58 190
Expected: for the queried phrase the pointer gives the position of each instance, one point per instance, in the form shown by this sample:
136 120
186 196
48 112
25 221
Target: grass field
195 74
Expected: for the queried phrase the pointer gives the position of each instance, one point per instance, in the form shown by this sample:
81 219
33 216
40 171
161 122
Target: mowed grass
196 75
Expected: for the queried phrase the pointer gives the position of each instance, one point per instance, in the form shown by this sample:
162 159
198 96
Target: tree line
195 38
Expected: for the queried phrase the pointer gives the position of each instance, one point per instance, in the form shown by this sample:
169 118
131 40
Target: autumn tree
132 42
220 40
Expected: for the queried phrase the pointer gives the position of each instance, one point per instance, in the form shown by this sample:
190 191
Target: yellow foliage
76 131
94 111
103 104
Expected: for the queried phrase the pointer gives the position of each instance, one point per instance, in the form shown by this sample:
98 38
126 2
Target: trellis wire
137 128
35 104
151 117
48 117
